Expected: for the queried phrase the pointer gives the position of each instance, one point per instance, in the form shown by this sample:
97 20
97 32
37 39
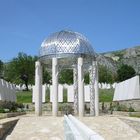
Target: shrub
66 108
103 106
111 108
121 108
27 106
118 107
131 109
87 109
8 106
2 110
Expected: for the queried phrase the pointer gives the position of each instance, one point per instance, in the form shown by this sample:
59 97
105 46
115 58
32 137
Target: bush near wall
8 106
119 107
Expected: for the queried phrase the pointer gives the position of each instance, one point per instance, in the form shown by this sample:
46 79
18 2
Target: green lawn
26 96
106 95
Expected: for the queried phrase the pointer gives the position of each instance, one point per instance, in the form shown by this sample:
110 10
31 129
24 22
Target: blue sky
108 24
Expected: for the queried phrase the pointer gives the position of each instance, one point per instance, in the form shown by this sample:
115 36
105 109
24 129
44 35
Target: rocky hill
130 56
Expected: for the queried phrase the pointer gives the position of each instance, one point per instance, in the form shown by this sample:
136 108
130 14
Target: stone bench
76 130
6 125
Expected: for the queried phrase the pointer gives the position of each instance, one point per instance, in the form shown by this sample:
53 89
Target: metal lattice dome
65 44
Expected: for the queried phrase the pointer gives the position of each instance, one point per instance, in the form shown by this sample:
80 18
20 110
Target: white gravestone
7 88
103 85
87 93
44 87
114 85
43 93
127 90
100 85
7 91
10 92
108 86
70 93
60 93
14 93
4 89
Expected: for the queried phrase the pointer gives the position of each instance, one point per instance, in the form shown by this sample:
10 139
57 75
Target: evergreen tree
125 72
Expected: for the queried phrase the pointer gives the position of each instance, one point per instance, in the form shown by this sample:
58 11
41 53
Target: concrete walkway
111 128
38 128
30 127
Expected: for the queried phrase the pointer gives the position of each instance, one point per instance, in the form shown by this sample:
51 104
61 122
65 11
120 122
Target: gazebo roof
65 45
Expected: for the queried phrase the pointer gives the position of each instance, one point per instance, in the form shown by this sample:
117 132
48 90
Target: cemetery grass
105 95
24 96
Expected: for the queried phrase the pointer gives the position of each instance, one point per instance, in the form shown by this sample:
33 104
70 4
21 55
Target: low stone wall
13 114
6 125
133 103
122 113
134 114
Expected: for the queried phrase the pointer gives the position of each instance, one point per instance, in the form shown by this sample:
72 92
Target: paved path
111 128
132 122
51 128
38 128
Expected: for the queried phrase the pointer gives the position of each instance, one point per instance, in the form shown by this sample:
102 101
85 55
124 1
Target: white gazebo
68 50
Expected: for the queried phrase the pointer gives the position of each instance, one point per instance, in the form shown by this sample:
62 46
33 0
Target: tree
86 78
46 77
125 72
66 76
21 69
105 75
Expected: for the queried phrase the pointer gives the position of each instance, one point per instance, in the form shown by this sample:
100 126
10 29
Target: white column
96 91
92 89
55 86
80 87
38 85
75 80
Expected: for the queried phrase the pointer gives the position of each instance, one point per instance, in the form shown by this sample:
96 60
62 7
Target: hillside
130 56
112 60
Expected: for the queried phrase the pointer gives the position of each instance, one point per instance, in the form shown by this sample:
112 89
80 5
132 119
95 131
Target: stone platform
38 128
30 127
